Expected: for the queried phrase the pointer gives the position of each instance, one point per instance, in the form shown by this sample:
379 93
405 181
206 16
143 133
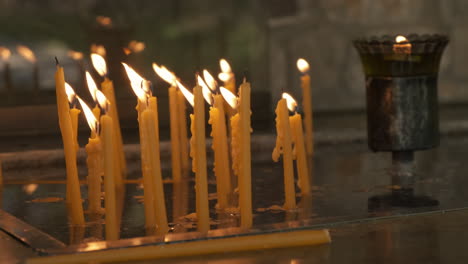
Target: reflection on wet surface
344 177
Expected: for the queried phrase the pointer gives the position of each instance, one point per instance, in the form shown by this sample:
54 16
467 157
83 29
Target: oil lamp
402 106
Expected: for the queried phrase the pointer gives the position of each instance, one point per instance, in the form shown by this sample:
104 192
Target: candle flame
224 76
400 39
104 21
90 118
210 81
302 65
224 65
30 188
102 100
91 86
99 64
290 102
136 46
187 94
75 55
165 74
70 93
136 82
206 91
26 53
5 53
99 49
229 97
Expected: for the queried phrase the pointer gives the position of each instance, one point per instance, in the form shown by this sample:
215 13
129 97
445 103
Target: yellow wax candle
93 161
220 148
273 240
175 138
69 146
198 154
74 113
107 88
244 180
150 117
184 144
303 66
284 146
300 153
97 113
112 230
229 80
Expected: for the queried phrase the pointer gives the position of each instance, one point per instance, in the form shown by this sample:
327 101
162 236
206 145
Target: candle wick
56 61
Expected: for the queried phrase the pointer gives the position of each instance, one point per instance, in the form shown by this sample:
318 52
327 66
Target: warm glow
104 21
99 49
400 39
90 118
165 74
27 53
5 53
225 67
210 81
223 76
290 102
75 55
99 64
91 86
70 93
302 65
136 46
30 188
102 100
229 97
187 94
136 82
206 91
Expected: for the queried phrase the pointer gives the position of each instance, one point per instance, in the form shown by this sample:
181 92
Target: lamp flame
99 49
90 118
102 100
210 81
136 82
302 65
136 46
290 102
187 94
91 86
26 53
165 74
70 93
5 53
206 91
99 64
230 98
400 39
224 65
75 55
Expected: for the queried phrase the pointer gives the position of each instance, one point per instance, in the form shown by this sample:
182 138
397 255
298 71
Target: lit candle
303 66
5 56
220 143
284 147
198 154
227 76
69 146
148 196
92 90
107 134
299 153
240 149
174 122
74 112
28 54
107 88
94 161
402 46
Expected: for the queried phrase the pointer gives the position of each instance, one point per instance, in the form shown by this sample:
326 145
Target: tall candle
303 66
244 177
283 146
107 134
184 142
69 146
93 161
229 80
